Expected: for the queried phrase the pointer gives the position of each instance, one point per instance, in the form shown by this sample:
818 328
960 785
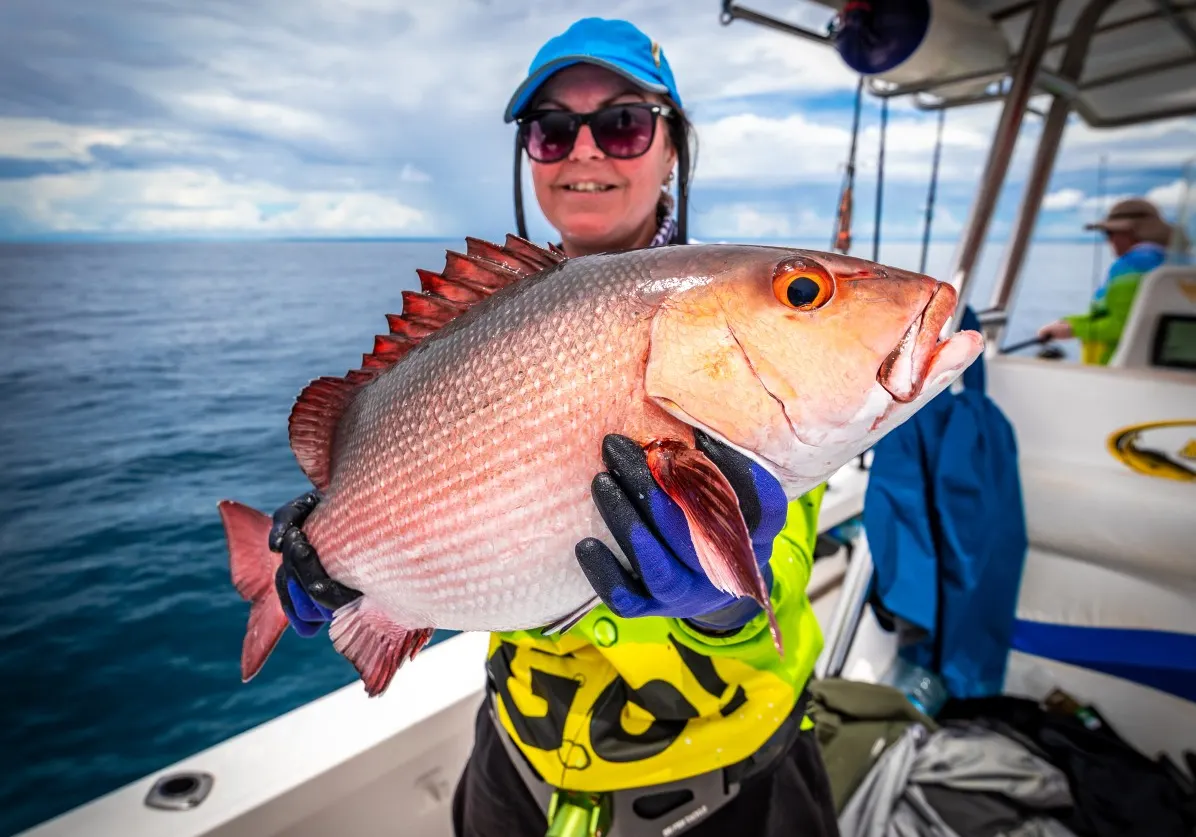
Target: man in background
1139 237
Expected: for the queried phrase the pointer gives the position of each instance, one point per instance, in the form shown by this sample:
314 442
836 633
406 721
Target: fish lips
903 372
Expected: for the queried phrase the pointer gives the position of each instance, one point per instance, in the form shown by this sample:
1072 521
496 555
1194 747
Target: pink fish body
456 464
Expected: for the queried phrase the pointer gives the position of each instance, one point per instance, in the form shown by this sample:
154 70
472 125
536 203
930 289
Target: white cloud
748 147
410 174
384 116
231 111
1162 144
183 200
736 220
46 139
1167 197
1063 199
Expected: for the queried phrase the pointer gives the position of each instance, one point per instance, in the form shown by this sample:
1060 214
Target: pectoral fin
716 524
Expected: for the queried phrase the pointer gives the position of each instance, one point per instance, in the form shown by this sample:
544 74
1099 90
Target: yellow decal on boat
1162 452
1188 289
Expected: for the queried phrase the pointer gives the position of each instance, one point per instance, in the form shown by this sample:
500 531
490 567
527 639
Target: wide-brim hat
1137 216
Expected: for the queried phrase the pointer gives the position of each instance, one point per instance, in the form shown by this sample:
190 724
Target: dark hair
684 138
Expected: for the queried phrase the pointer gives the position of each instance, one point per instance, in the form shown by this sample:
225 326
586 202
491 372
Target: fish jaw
949 360
905 369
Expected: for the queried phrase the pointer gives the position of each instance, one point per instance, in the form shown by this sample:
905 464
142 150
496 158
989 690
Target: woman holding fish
674 698
679 681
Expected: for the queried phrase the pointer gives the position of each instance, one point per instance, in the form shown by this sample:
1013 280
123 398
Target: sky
383 118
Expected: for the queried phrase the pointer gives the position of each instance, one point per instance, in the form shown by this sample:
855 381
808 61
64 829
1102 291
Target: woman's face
599 203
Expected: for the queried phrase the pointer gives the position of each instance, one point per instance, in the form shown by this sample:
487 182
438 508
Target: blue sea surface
141 384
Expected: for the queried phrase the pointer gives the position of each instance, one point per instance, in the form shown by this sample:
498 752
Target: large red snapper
455 465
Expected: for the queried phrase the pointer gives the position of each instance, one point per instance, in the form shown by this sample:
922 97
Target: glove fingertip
305 629
716 449
304 607
591 552
612 584
625 458
302 627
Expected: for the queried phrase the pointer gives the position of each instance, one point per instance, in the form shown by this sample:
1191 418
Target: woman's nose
585 148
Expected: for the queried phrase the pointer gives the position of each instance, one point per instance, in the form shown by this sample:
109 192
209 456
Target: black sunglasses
620 131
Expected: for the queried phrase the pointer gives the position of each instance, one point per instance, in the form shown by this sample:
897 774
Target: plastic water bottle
924 689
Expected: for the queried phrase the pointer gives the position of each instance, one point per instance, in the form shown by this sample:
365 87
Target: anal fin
716 525
374 643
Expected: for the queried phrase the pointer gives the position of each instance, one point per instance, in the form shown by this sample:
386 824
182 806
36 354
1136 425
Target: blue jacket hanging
944 519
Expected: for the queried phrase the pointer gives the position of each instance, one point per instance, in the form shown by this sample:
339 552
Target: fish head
802 360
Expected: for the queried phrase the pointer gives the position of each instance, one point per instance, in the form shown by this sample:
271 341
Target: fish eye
802 285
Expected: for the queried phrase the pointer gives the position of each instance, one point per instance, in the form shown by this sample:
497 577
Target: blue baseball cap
614 44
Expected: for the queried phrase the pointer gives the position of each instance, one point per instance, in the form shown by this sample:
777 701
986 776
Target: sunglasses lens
620 131
549 137
624 131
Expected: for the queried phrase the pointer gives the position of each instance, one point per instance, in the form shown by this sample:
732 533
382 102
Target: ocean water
141 384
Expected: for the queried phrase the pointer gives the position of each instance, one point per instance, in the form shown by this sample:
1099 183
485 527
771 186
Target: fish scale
526 518
455 464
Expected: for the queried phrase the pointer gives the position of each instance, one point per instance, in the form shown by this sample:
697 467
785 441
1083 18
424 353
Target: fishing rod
1025 344
841 235
1049 352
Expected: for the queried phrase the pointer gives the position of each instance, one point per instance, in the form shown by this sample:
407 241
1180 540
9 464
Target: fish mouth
903 372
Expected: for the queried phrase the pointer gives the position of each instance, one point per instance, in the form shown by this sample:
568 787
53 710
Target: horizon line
249 238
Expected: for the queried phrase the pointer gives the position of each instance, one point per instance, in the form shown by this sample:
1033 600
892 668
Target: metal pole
731 12
1098 240
1034 43
1071 68
934 179
849 610
880 181
1027 214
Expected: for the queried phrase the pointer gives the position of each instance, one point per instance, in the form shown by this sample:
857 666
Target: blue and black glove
309 597
650 528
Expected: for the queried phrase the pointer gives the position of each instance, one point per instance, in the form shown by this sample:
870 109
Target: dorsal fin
516 253
467 278
430 309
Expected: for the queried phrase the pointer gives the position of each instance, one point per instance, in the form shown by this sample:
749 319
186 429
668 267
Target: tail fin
253 566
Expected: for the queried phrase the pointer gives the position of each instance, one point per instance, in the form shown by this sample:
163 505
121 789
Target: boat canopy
1137 57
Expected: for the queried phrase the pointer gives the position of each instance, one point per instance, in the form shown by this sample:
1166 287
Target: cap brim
524 93
1111 226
